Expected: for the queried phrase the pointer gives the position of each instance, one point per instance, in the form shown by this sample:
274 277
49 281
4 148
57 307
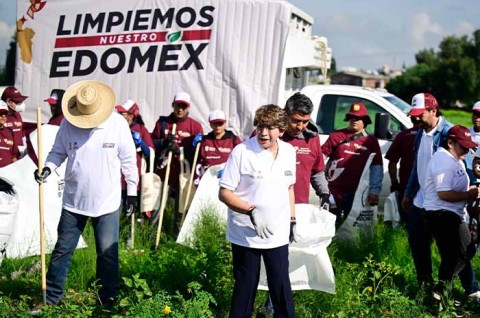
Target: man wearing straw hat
99 147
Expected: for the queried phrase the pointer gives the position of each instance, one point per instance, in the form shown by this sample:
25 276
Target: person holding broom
141 137
216 146
164 141
99 147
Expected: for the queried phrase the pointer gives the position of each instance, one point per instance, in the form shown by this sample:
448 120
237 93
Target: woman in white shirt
447 192
257 186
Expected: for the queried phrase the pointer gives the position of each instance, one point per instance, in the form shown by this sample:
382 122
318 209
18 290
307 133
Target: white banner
226 54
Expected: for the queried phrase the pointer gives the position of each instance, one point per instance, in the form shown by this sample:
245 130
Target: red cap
55 96
128 107
14 94
462 136
182 98
217 116
422 102
358 109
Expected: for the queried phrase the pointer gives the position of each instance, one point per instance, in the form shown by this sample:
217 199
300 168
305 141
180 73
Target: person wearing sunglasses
447 192
432 135
164 141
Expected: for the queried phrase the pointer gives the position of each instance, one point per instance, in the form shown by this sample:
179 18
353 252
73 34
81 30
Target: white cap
3 106
476 107
182 98
421 102
217 116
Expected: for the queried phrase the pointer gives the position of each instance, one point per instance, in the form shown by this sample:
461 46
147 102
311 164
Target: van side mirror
382 126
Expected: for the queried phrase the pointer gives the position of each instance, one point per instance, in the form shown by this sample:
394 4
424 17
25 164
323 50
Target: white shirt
475 135
96 158
259 179
425 152
445 173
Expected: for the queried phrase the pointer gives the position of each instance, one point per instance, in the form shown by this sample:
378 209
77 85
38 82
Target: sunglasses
181 106
354 118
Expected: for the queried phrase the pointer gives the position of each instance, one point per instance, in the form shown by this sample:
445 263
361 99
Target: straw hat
87 104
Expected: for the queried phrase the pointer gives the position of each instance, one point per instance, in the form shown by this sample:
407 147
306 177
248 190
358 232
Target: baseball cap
3 107
421 102
55 96
217 116
476 107
128 107
14 94
182 98
358 109
462 136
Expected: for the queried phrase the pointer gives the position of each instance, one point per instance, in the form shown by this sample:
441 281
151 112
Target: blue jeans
70 227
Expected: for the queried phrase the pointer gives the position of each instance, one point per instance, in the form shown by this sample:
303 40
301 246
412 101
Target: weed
374 277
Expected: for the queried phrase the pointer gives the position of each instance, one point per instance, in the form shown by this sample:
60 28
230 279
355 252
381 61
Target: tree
7 74
452 74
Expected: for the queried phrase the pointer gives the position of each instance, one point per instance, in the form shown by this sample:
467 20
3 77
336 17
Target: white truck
388 113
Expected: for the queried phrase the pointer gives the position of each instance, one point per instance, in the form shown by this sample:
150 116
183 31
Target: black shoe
106 303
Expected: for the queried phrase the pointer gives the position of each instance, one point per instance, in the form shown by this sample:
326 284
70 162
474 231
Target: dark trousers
453 238
344 202
420 240
246 272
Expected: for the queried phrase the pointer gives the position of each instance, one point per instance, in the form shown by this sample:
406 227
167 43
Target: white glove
260 225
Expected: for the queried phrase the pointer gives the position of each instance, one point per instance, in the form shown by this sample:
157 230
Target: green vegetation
459 117
374 278
451 74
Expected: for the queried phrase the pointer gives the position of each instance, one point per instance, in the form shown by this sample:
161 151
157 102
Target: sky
366 34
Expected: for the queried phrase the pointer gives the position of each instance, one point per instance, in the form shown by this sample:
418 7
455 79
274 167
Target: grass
458 117
374 278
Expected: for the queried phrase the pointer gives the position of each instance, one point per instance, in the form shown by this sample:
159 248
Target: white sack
25 236
309 263
362 216
310 266
206 198
390 210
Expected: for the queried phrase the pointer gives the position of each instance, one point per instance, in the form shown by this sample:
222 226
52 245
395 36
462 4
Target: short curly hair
271 116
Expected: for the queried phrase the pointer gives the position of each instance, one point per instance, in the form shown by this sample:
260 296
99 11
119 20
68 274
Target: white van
388 113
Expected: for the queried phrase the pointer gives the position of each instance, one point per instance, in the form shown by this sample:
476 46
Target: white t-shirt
259 179
425 152
475 135
96 159
445 173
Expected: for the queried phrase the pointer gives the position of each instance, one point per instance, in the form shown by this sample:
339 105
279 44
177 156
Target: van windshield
404 107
